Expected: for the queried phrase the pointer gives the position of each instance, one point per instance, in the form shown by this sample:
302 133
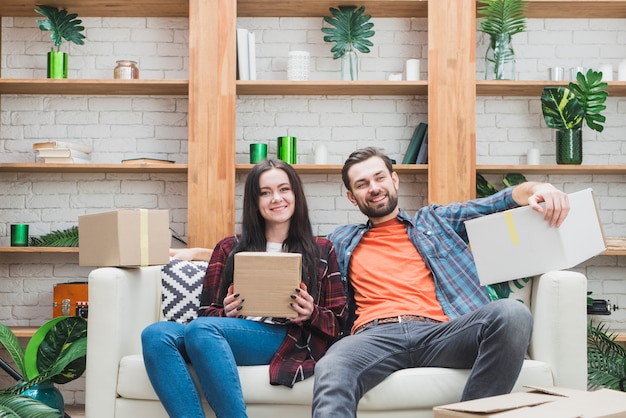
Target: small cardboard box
266 281
124 238
519 243
540 402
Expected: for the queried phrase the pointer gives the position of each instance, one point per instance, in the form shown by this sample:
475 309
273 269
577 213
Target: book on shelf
62 152
65 160
62 144
246 54
415 144
422 155
147 161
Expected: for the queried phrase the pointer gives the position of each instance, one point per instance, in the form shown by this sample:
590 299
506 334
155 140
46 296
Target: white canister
532 158
298 65
412 69
321 154
621 71
607 72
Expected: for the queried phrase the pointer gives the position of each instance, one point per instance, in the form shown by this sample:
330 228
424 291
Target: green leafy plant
350 30
63 25
502 16
12 406
583 101
56 352
606 359
65 238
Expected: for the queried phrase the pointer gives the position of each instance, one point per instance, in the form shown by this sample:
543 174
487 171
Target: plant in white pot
350 31
63 26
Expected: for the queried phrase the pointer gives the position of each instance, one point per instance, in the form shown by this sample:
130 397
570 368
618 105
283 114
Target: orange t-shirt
390 278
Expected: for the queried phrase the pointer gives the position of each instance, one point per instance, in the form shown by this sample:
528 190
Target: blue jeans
491 341
214 346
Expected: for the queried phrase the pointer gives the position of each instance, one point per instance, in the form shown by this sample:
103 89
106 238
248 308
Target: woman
275 218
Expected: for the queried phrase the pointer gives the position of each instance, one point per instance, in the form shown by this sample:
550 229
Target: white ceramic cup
532 158
607 72
298 65
412 69
557 73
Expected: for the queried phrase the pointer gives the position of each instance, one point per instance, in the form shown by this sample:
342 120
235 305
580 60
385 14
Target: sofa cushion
415 388
180 291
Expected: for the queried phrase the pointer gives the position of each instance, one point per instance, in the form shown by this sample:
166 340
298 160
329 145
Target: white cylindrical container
321 154
532 158
607 72
412 69
298 65
573 72
557 73
394 77
621 71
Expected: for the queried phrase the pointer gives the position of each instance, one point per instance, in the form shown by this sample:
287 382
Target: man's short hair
361 155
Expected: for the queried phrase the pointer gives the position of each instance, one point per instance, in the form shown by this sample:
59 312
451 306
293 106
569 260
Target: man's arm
533 193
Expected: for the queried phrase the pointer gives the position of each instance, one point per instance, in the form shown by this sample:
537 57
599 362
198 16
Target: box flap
500 403
519 243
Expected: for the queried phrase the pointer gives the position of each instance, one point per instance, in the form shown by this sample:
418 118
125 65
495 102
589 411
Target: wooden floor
75 411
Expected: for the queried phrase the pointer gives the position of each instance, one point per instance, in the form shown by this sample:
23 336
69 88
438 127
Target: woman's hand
232 303
303 304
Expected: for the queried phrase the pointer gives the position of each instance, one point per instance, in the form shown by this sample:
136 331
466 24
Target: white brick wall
127 127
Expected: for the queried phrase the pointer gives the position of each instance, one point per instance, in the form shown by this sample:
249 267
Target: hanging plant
66 238
61 24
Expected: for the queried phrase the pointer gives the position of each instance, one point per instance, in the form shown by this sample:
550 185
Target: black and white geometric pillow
181 287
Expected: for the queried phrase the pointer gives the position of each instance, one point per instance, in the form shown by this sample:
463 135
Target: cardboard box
519 243
124 238
541 403
266 281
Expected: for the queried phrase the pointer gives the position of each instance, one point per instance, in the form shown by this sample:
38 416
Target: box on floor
554 402
124 238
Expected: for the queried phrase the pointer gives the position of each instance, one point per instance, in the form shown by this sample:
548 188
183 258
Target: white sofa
123 301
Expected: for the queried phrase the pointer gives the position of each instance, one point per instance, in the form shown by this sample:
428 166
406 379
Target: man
414 295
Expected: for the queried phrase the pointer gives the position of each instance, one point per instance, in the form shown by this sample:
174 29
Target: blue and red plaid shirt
439 236
304 345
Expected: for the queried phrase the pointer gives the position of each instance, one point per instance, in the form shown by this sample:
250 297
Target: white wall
127 127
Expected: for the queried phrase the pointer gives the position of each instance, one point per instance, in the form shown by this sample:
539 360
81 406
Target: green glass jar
569 146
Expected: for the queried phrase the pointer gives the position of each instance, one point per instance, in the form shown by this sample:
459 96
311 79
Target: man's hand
556 203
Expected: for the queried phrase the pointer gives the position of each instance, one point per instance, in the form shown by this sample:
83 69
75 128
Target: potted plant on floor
567 108
63 26
350 30
56 353
501 19
606 359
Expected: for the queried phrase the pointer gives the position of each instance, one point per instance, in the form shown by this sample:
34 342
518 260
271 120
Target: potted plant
567 108
350 31
63 26
56 353
501 19
606 359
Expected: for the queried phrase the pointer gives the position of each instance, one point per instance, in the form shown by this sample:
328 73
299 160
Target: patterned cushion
519 289
180 291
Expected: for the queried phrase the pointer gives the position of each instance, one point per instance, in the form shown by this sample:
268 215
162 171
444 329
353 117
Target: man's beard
380 211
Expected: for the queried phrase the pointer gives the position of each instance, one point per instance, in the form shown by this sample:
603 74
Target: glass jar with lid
126 70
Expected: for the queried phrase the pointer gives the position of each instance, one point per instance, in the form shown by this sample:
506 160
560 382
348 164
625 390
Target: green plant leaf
591 93
61 24
16 406
350 29
502 16
561 109
12 344
606 359
513 179
483 187
65 238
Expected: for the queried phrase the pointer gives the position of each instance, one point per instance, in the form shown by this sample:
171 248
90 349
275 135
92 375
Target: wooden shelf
552 169
336 168
24 332
54 250
589 9
92 168
101 8
104 87
335 88
533 88
318 8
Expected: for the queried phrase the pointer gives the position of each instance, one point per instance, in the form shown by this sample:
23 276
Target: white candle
321 154
621 73
532 158
607 72
413 69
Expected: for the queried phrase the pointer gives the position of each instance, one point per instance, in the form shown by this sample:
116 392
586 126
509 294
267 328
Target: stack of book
59 152
417 152
246 54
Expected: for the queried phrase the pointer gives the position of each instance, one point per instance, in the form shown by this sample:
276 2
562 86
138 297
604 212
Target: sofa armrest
122 302
559 307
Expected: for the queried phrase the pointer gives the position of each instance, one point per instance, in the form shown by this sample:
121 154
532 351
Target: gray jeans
491 341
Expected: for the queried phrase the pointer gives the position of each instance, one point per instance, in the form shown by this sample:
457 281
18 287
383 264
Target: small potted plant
566 108
501 19
350 31
56 353
63 26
